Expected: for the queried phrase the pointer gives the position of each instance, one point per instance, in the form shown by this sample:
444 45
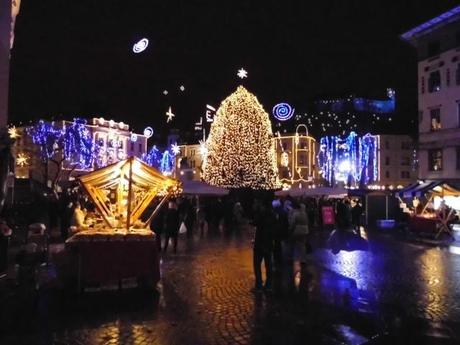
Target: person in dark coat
172 224
281 232
356 213
264 221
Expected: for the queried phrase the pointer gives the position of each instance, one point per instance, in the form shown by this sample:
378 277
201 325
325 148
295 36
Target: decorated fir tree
240 149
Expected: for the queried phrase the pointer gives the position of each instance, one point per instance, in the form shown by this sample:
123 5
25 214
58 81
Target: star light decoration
182 88
165 92
242 73
13 133
169 115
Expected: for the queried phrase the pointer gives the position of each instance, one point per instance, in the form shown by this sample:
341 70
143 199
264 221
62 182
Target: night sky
74 58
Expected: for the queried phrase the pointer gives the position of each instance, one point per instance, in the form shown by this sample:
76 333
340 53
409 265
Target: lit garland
166 164
152 158
47 137
79 148
351 160
241 152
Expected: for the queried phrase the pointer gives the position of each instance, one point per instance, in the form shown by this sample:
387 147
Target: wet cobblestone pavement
395 293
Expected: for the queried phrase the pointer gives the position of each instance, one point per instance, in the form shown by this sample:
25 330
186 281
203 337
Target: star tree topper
169 115
242 73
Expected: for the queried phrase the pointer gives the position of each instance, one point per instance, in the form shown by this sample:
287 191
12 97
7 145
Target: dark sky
74 58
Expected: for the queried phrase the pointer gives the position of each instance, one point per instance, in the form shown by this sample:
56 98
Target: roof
126 177
418 189
435 23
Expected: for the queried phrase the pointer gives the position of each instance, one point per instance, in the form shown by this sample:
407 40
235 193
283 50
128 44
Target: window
434 81
435 160
387 160
448 77
458 157
435 116
422 84
405 161
405 174
387 174
192 163
192 153
434 48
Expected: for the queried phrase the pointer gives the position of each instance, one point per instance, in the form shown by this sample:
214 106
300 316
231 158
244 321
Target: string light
283 111
351 160
169 115
175 149
13 133
241 152
166 164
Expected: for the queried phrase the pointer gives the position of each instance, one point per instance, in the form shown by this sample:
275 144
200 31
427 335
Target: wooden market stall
434 206
115 243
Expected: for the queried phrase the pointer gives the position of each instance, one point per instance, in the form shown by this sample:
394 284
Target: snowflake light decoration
203 149
242 73
182 88
175 149
13 132
169 115
22 159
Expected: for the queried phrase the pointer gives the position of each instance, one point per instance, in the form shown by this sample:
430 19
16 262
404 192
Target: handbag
182 228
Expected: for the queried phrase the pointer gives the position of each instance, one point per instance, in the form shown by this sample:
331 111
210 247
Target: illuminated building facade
437 42
296 157
110 142
368 161
189 162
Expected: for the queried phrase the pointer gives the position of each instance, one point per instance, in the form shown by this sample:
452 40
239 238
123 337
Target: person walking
298 222
264 221
171 226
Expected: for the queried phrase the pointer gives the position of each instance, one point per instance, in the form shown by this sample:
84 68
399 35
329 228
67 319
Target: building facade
397 163
189 162
438 49
112 142
296 157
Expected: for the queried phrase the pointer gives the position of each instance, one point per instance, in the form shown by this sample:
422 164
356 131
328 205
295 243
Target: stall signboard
328 215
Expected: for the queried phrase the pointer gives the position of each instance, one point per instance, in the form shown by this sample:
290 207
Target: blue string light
350 160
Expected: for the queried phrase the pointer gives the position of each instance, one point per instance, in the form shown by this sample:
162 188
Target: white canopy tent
329 192
200 188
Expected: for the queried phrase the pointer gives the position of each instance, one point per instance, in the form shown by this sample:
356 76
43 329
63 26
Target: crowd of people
282 227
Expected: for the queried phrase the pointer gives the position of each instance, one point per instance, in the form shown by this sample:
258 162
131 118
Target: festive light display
182 88
22 159
13 133
283 111
169 115
167 163
175 149
153 157
140 46
352 160
203 148
240 146
242 73
148 132
79 148
47 137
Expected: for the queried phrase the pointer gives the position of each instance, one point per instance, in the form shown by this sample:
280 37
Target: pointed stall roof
136 185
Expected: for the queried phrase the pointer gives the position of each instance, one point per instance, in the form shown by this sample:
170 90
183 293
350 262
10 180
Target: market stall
432 206
114 243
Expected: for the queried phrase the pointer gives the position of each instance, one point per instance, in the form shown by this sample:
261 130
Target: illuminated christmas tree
240 149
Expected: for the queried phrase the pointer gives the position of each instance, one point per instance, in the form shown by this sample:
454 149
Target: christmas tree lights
240 147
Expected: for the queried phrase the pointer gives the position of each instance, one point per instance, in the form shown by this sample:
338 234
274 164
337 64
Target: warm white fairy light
203 149
241 150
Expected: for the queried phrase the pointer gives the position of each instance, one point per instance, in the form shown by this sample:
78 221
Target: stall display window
435 160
